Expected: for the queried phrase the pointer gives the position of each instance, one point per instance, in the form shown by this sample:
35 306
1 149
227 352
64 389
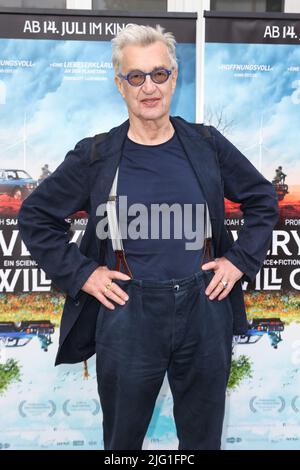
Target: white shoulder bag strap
114 229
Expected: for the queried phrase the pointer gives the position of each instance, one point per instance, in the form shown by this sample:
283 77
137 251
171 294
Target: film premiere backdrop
56 86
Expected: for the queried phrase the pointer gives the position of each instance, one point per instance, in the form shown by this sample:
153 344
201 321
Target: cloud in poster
60 112
264 101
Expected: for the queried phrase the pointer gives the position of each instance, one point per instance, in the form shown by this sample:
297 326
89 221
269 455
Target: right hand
96 285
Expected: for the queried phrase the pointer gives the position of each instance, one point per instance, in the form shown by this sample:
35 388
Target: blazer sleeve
43 227
244 184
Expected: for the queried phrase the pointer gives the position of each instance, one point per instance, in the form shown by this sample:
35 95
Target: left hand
224 271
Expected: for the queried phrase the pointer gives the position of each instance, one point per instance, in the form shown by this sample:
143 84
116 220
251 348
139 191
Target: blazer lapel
104 166
204 161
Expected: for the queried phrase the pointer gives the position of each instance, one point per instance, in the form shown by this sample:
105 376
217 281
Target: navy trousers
165 327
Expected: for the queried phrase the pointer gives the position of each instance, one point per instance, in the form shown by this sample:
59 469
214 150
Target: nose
148 85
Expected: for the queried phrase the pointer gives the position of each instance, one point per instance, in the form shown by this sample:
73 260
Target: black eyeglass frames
137 77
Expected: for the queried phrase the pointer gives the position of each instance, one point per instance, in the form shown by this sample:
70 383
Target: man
169 314
280 176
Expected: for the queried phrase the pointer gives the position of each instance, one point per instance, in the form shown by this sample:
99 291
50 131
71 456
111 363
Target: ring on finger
107 287
224 283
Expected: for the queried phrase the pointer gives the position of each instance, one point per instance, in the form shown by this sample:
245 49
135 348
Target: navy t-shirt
153 175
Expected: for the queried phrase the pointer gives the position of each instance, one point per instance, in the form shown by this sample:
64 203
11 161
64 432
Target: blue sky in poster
266 99
64 104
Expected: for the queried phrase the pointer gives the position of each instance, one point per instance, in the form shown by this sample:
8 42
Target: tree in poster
241 368
9 373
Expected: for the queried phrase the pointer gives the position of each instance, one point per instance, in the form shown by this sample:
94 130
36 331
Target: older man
151 305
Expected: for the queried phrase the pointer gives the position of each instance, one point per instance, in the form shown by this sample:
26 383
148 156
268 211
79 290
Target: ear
119 84
174 79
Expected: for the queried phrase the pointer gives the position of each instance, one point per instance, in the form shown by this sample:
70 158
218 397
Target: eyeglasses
137 77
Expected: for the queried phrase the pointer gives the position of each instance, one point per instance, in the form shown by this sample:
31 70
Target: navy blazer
82 183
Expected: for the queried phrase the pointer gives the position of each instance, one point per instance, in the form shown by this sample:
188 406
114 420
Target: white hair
141 35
